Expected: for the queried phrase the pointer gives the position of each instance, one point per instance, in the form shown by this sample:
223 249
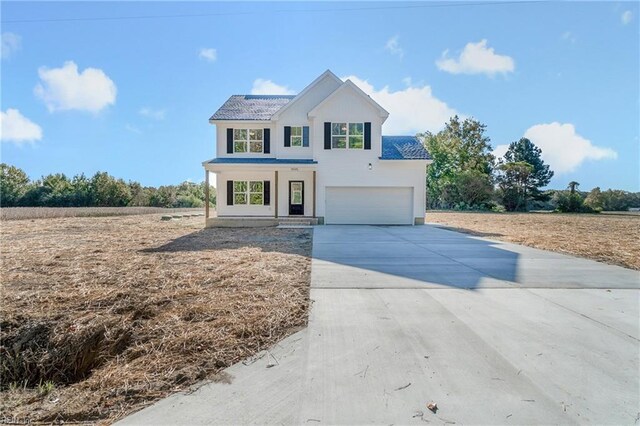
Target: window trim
248 193
347 135
300 137
247 142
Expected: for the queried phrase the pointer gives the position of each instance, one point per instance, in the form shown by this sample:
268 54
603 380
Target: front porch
265 193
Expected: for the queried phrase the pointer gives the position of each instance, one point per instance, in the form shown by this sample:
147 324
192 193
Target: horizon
81 97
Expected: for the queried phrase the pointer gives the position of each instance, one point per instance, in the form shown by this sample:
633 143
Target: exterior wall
384 173
243 210
283 191
221 138
296 115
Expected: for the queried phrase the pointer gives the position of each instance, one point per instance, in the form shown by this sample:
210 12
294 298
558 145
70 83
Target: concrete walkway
494 333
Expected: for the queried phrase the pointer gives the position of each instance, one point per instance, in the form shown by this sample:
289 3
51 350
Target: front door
296 197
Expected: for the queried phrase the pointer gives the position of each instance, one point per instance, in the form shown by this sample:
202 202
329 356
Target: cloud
268 87
10 44
133 129
562 148
155 114
569 37
208 54
476 58
393 47
626 17
16 128
66 89
412 110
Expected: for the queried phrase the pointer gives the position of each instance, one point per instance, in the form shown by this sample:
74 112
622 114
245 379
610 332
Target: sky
82 92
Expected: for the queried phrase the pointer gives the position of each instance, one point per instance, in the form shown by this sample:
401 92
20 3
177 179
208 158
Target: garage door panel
369 205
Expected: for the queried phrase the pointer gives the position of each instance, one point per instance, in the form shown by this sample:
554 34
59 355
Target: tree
513 180
594 199
527 151
459 147
14 184
573 185
106 191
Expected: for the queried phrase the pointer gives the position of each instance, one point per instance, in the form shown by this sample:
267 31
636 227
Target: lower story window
248 192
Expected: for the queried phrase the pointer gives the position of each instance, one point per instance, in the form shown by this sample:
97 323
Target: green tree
459 147
106 191
594 200
14 184
526 151
58 190
573 186
513 180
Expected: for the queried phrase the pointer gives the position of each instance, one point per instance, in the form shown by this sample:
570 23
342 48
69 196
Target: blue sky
133 96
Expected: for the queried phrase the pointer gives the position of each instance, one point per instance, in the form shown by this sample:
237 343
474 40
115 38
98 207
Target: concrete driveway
494 333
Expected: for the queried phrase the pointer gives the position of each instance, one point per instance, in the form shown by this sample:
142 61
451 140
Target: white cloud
268 87
155 114
66 89
393 46
16 128
10 43
562 148
208 54
411 110
626 17
569 37
476 58
133 129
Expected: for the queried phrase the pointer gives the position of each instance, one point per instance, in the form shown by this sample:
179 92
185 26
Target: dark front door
296 197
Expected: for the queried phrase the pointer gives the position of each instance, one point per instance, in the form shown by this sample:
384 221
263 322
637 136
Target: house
319 156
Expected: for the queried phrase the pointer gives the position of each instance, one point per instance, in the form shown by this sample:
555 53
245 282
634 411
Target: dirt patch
606 238
102 316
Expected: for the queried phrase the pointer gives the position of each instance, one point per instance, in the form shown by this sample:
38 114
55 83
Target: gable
349 101
296 110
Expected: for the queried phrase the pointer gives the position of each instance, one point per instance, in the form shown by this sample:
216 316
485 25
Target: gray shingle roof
403 148
251 107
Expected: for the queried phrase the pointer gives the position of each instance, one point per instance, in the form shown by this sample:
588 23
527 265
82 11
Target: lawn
612 239
101 316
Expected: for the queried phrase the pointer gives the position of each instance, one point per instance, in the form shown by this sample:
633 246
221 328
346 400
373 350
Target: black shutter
266 186
229 141
327 135
267 141
287 136
367 135
305 136
229 192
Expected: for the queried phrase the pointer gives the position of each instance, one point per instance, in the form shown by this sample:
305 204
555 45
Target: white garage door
369 206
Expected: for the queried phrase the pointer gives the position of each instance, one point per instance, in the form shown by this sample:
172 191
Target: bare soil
102 316
606 238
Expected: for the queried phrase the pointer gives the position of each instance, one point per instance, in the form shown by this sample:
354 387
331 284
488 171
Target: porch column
275 201
206 195
314 194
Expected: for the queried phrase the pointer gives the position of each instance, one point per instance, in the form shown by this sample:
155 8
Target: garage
369 206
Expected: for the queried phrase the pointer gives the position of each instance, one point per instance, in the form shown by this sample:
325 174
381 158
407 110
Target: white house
319 155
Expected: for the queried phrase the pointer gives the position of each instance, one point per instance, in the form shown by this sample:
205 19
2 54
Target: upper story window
347 135
296 136
248 140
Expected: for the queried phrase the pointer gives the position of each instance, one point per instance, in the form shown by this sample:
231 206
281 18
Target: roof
403 148
251 107
261 161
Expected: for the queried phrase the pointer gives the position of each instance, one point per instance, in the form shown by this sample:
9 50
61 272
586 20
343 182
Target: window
248 192
349 135
248 140
296 136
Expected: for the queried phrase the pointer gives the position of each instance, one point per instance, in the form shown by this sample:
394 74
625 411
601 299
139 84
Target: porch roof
279 161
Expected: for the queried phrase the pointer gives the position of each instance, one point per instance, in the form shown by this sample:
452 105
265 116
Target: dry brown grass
606 238
20 213
120 311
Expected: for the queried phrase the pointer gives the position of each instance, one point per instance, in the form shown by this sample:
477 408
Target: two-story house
318 155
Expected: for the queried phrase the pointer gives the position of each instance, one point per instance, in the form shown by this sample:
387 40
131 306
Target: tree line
100 190
465 175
